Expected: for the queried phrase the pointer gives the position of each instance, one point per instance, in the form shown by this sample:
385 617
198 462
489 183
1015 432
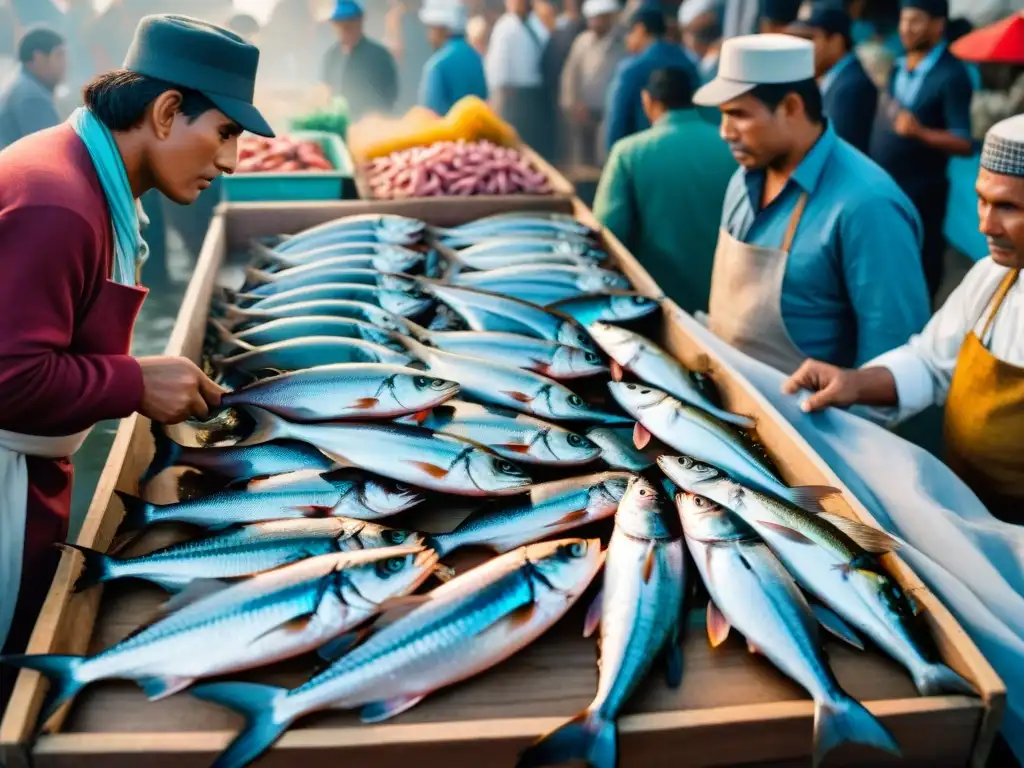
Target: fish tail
417 332
442 543
255 703
845 720
587 737
97 567
138 513
61 671
266 427
254 276
167 454
936 679
263 255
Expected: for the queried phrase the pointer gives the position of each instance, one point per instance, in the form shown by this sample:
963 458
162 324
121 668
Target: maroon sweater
65 328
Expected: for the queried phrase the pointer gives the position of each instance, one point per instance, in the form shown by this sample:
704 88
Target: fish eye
698 502
396 537
590 357
640 300
402 488
508 468
574 440
645 391
582 338
577 549
631 386
576 401
421 381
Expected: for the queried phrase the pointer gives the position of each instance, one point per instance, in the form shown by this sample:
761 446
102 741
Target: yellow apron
984 424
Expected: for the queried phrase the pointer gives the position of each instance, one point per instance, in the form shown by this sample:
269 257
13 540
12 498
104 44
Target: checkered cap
1004 147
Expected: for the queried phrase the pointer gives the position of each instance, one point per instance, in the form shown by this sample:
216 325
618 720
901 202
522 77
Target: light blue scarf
130 250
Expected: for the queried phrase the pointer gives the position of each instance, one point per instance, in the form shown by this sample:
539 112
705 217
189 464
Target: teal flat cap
204 57
346 10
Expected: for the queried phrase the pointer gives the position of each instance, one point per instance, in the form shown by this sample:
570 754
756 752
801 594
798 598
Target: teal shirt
661 194
854 286
454 71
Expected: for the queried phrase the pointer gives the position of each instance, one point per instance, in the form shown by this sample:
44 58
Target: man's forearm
876 386
946 141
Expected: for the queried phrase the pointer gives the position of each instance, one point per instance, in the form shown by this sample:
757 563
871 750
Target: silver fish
751 591
269 617
407 454
303 277
401 303
647 361
371 227
511 251
611 307
459 630
288 328
241 552
518 224
379 256
338 392
337 493
306 352
832 558
354 310
548 510
544 284
640 612
617 449
510 434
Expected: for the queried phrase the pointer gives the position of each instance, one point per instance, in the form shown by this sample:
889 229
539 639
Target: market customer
849 96
923 120
358 68
819 250
70 253
970 356
26 102
455 70
661 191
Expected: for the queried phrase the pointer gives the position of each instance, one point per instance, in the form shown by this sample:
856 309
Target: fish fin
569 518
649 563
255 703
157 688
867 538
936 679
398 608
420 417
167 453
267 427
847 721
137 512
519 397
334 649
674 658
196 590
522 615
433 470
616 371
809 497
593 620
59 670
379 711
641 436
787 532
587 738
540 366
444 573
718 625
831 622
514 447
97 567
739 420
365 403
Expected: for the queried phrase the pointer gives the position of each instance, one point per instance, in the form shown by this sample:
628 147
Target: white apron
745 308
14 448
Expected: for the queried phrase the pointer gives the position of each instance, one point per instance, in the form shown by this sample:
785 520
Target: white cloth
923 367
740 18
450 14
514 56
971 561
14 448
594 8
691 9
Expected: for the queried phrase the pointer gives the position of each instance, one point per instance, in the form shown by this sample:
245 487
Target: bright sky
259 9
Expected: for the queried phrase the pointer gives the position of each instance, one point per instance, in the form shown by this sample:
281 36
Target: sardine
751 591
511 251
370 227
382 257
508 433
544 284
403 303
214 631
834 559
611 307
459 630
640 613
354 310
407 454
289 328
336 392
241 552
548 510
617 449
336 493
306 352
647 361
272 284
518 224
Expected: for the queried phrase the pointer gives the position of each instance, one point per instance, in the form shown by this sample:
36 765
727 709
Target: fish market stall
730 707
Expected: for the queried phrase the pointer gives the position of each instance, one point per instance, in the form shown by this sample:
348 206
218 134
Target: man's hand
175 389
907 125
832 386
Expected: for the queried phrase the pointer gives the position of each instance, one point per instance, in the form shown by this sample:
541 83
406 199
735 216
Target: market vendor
455 70
970 356
70 253
358 68
818 249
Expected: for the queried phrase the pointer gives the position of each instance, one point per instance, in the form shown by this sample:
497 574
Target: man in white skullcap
455 70
970 356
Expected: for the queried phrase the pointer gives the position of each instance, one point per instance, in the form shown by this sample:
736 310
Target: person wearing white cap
455 70
819 250
970 357
592 62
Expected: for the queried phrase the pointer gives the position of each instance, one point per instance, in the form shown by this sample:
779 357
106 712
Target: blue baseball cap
346 10
828 16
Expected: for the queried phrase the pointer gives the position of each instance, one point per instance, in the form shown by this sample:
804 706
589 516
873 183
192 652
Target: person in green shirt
662 190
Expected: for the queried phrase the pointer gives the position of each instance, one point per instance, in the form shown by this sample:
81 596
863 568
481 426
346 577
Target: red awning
999 43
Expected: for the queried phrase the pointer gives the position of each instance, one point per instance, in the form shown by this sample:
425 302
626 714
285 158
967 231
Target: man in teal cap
356 67
70 252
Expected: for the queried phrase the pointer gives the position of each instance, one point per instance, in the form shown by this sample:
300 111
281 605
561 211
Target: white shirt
513 58
923 367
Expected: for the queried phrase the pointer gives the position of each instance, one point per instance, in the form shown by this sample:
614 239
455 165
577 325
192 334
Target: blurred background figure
515 80
8 44
849 96
592 62
26 102
478 34
455 70
406 38
547 12
700 24
776 15
874 29
645 41
244 25
661 192
568 26
295 40
358 68
998 50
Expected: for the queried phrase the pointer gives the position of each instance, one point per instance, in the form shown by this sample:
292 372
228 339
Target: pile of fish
379 366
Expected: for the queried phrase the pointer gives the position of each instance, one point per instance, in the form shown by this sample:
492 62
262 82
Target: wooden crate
733 708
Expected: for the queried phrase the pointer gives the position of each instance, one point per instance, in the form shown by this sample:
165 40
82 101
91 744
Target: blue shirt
854 286
850 98
830 77
454 71
906 84
624 113
26 106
